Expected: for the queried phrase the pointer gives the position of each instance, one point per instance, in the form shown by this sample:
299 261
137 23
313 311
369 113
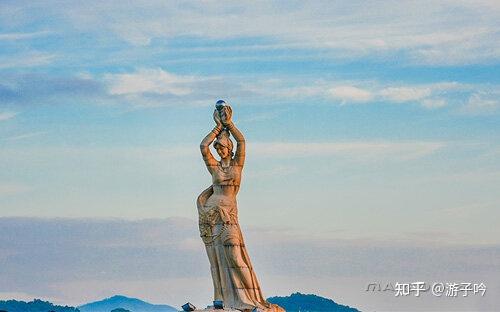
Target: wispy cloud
23 136
31 59
424 32
363 151
7 115
432 103
349 94
23 36
151 87
482 103
430 96
44 88
155 156
405 94
149 81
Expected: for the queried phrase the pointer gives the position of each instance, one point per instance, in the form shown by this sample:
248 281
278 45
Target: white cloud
7 115
31 59
293 92
405 94
465 47
428 32
481 103
23 36
149 81
430 96
349 94
434 103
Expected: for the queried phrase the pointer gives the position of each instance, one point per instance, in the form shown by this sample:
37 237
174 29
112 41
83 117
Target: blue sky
364 120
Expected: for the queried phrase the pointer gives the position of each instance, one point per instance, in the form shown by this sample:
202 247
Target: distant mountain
309 303
36 305
294 303
131 304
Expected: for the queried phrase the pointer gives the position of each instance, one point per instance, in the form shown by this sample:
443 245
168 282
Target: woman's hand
217 119
226 115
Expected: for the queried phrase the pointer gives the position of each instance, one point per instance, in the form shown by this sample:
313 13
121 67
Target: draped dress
234 279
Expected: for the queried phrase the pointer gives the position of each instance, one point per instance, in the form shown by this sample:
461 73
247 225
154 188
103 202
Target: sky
372 132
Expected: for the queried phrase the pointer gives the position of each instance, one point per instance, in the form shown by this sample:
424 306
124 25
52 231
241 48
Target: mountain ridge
293 303
35 305
298 302
120 301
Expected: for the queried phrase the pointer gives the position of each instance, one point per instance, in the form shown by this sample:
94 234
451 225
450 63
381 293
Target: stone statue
234 280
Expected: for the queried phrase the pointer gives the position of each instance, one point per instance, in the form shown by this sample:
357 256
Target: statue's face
222 151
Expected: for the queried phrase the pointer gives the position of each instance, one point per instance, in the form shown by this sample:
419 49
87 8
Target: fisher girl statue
234 280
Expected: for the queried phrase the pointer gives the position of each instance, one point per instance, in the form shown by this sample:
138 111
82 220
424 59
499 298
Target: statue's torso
220 206
226 180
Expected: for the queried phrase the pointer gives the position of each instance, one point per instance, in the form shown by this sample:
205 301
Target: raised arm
239 157
209 159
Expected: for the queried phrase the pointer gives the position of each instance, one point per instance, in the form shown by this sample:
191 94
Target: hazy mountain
36 305
293 303
131 304
309 303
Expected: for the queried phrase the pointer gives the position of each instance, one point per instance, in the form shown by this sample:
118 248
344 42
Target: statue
234 280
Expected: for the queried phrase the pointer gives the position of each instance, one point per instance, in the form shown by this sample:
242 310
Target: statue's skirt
234 279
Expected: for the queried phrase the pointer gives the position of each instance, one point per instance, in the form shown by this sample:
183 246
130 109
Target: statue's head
223 144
